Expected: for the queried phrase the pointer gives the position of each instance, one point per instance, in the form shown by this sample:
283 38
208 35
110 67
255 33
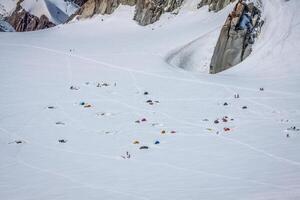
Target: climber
236 96
128 154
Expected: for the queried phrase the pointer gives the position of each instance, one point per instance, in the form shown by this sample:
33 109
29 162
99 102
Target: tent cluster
220 121
156 142
221 125
142 120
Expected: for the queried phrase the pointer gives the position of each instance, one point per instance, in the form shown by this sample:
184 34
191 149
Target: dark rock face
236 37
92 7
44 23
146 11
78 2
149 11
128 2
21 21
214 5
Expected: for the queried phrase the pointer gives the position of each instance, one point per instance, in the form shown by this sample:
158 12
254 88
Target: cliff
241 29
21 20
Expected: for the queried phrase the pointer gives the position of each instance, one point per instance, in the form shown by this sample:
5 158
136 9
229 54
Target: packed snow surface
75 109
7 6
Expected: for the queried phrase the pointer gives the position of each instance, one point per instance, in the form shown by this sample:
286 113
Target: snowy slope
7 7
196 55
254 160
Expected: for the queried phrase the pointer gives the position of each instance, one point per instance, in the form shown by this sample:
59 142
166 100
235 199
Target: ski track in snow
152 163
105 64
140 161
79 182
140 111
130 71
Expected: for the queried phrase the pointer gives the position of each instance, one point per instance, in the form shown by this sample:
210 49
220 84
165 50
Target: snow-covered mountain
29 15
100 109
48 13
57 11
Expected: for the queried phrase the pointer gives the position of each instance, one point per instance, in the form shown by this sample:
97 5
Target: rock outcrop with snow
146 11
93 7
30 15
235 43
214 5
22 21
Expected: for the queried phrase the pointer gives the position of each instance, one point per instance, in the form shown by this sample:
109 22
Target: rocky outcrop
21 21
149 11
214 5
146 11
236 37
93 7
28 15
78 2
